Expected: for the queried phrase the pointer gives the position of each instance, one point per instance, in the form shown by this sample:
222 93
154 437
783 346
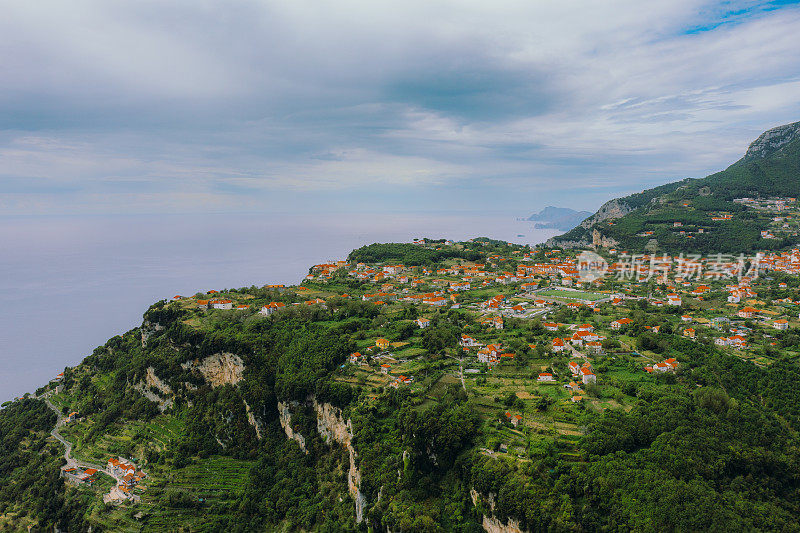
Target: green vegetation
246 422
693 203
31 489
572 295
407 254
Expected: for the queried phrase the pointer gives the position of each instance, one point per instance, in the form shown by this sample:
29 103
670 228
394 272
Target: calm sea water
70 283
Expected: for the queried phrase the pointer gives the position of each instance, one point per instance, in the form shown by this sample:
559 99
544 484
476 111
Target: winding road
71 461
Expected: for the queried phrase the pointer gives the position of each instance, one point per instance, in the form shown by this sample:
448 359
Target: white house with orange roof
619 323
587 376
781 324
271 308
467 341
747 312
594 347
221 304
574 367
436 301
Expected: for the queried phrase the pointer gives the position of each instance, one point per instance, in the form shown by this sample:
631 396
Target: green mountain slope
769 169
246 422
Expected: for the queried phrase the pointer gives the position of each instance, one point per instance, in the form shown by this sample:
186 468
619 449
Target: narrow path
576 353
71 461
460 370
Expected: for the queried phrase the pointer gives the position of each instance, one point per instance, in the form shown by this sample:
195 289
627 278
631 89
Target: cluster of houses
128 478
381 344
79 476
584 371
389 280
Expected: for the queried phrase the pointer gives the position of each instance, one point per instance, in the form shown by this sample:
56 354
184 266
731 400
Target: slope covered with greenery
714 445
693 204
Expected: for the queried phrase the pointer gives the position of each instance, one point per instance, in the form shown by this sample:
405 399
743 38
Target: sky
414 106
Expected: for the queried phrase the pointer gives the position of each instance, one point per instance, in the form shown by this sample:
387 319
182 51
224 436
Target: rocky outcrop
152 380
495 525
251 418
612 209
492 524
164 397
772 140
219 369
148 330
582 238
333 428
601 241
285 418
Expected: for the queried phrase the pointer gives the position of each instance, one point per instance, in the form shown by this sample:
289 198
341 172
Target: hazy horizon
73 282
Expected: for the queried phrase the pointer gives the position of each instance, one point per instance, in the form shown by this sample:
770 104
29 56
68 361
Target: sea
69 283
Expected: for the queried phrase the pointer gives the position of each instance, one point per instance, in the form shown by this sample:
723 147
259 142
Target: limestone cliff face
772 140
492 524
332 427
148 330
285 418
152 381
601 241
251 418
219 369
612 209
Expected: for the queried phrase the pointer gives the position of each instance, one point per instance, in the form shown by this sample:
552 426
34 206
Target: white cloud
193 99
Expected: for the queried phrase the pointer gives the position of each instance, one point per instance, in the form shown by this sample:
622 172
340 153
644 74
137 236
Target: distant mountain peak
562 218
703 215
772 140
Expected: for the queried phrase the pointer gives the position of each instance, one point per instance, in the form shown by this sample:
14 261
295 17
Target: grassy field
571 295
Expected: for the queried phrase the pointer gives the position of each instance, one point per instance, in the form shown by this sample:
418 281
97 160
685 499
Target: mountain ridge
562 218
770 168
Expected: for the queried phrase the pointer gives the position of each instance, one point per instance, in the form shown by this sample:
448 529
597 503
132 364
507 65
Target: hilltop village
520 331
518 351
522 334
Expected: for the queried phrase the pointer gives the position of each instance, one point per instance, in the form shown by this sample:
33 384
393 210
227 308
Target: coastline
90 278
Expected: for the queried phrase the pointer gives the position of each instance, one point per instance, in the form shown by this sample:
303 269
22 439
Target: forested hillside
243 420
701 216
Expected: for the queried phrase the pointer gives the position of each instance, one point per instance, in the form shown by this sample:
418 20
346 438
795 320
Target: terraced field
572 295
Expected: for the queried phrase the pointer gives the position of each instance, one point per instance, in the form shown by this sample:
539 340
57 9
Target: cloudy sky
195 106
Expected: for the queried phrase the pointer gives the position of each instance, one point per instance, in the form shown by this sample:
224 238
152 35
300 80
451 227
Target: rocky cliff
612 209
219 369
333 429
332 426
285 419
492 524
156 390
772 140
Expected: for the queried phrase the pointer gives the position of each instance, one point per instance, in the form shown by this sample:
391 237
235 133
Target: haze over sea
72 282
